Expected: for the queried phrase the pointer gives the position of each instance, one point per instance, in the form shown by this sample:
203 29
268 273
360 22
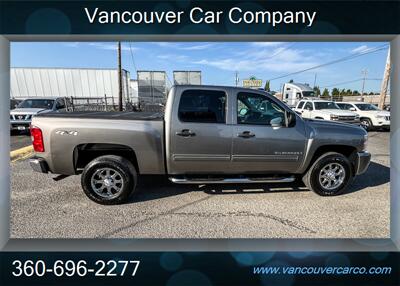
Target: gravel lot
43 208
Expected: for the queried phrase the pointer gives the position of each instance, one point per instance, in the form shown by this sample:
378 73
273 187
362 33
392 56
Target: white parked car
325 110
370 116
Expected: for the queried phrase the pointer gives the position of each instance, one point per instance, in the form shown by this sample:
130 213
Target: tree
317 91
371 93
266 87
355 92
335 91
325 93
343 92
349 92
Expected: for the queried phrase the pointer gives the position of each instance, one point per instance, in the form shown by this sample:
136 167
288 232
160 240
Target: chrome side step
231 180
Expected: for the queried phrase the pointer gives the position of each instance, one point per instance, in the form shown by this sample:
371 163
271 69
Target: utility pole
315 80
364 72
236 78
385 82
119 78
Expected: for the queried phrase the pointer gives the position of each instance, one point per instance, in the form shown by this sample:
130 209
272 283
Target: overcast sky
219 61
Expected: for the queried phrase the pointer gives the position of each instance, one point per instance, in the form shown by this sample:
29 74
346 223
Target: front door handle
185 133
246 134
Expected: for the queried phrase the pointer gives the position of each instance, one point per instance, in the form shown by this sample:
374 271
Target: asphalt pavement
19 140
44 208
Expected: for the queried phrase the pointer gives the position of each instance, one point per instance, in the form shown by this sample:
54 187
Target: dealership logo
252 82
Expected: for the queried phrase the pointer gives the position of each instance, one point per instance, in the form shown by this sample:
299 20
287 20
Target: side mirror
243 111
276 122
352 109
290 118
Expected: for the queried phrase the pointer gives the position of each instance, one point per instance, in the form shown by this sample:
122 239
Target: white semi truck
292 93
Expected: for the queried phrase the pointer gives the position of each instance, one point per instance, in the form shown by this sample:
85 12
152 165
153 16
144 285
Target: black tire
312 177
366 124
126 175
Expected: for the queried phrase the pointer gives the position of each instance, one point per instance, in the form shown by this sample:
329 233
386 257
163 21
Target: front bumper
362 162
39 165
19 124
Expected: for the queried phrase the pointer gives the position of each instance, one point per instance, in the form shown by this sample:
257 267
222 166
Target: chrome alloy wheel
332 176
107 183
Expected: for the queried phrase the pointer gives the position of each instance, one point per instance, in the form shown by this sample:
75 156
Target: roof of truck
204 86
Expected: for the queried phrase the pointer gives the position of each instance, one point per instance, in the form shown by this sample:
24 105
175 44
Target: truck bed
124 115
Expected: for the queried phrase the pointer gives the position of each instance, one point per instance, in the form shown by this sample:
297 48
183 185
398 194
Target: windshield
366 106
37 103
308 93
326 105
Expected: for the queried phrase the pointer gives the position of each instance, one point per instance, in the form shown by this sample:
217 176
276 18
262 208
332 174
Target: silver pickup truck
207 135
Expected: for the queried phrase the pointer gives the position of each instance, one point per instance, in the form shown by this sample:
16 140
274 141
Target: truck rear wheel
329 175
109 180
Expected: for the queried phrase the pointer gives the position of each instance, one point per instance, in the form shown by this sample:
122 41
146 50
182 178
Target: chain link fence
93 103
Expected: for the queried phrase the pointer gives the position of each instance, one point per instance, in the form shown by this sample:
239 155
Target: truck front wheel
329 175
109 180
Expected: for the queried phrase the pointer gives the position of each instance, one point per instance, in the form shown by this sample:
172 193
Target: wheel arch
84 153
346 150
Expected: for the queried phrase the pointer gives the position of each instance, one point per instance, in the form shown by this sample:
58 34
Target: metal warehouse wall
76 82
187 77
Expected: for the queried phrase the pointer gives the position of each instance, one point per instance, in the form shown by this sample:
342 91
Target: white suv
326 110
370 116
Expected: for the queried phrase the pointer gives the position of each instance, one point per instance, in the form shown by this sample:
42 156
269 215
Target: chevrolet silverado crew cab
207 135
325 110
370 116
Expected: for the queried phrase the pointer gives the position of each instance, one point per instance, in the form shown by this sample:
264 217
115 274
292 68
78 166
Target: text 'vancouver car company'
251 137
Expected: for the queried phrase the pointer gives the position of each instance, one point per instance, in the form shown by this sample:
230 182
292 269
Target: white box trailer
152 87
68 82
187 77
294 92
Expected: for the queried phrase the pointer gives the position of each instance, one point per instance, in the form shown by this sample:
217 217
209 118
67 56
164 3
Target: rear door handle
186 133
246 134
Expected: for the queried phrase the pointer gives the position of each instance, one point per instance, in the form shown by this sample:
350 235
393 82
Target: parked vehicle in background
14 103
371 117
386 107
207 135
293 92
326 110
21 117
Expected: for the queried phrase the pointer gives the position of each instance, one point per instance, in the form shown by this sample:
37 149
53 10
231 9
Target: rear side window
202 106
309 106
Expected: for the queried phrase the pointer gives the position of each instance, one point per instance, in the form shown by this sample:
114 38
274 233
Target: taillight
37 139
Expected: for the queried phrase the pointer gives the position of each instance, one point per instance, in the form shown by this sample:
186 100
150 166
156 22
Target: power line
350 81
368 51
281 50
133 59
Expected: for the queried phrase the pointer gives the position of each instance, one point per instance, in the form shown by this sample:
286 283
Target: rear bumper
362 162
39 165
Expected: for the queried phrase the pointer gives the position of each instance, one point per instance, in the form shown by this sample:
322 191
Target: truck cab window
300 105
257 109
308 106
202 106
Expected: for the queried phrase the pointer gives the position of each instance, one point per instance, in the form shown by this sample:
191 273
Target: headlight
334 117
